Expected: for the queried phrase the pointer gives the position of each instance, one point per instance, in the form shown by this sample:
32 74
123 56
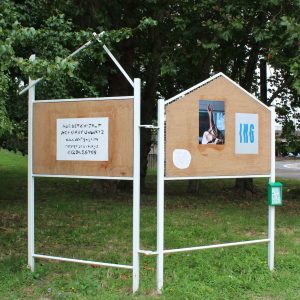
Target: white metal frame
161 178
161 181
136 84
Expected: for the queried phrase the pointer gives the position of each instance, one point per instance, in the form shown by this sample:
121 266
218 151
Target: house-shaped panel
217 128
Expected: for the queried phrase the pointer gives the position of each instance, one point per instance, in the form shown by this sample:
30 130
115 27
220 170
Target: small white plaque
181 158
82 139
276 195
246 133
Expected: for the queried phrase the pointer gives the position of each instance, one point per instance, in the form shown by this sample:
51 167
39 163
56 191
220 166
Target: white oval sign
181 158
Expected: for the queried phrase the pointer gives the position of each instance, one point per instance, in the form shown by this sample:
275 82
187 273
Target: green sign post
275 194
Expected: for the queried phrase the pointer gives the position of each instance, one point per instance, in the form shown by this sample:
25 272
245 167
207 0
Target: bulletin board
98 136
183 123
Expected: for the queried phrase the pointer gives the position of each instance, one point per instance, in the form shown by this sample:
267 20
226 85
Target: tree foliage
171 45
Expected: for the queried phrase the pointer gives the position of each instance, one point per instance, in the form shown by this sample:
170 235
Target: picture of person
211 122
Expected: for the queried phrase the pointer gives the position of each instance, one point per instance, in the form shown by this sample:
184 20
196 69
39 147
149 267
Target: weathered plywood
120 138
182 131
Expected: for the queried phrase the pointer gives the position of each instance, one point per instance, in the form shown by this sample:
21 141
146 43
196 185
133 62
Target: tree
170 45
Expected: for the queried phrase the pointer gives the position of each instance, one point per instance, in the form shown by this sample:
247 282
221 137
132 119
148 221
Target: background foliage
170 45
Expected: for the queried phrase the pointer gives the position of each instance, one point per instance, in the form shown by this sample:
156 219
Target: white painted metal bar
180 95
80 48
30 178
218 177
97 37
148 252
160 195
149 126
81 177
271 213
118 65
80 261
136 186
30 85
216 246
35 82
187 249
245 91
86 99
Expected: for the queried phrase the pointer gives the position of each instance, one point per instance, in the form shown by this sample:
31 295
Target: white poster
82 139
246 133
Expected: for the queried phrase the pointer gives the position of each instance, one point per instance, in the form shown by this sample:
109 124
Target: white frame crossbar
161 178
136 98
84 262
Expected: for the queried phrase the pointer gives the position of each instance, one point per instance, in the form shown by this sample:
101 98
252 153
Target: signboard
275 194
246 133
82 139
217 129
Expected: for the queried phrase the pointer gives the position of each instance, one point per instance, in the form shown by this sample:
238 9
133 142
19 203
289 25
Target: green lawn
75 220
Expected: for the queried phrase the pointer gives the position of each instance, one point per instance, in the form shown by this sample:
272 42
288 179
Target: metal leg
271 215
271 236
136 185
160 198
31 99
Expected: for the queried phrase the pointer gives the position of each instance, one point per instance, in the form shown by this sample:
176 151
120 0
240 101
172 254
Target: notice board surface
83 138
189 149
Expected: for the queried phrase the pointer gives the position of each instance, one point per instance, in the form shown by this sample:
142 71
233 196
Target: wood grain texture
182 132
120 138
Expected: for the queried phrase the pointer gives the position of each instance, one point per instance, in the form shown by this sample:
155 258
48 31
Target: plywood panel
182 132
120 138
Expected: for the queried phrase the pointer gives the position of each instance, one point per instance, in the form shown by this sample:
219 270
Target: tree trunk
244 185
194 186
263 81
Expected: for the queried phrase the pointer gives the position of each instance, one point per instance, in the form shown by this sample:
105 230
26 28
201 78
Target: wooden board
182 132
120 137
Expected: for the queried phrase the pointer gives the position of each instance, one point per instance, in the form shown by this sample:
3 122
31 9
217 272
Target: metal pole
136 185
81 261
216 246
35 82
271 219
113 59
160 195
31 99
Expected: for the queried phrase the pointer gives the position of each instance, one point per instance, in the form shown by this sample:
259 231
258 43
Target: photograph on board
211 122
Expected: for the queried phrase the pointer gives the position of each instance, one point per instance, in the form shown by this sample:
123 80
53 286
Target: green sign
275 194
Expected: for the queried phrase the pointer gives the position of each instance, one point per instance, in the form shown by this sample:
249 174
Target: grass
75 220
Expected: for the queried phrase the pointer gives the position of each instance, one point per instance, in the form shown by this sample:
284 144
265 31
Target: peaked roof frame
202 83
87 44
